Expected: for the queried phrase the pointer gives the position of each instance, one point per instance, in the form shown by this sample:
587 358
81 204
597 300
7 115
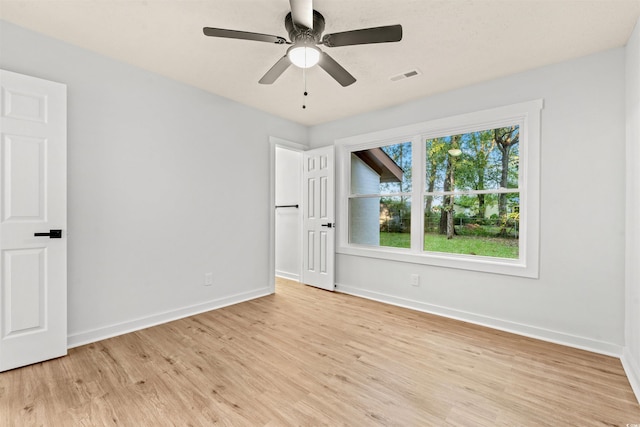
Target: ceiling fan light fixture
303 55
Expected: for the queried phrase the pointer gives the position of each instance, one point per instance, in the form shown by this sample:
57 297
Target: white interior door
33 269
318 239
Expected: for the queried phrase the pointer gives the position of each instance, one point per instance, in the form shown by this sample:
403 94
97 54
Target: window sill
510 267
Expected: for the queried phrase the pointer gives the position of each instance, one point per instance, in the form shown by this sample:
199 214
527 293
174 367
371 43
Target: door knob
328 225
52 234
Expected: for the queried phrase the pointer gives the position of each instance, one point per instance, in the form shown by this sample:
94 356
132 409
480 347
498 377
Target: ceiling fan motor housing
301 34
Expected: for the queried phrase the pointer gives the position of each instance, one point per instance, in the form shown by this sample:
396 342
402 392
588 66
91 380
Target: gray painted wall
631 358
579 296
165 183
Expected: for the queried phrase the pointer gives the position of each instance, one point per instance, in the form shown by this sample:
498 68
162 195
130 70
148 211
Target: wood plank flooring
307 357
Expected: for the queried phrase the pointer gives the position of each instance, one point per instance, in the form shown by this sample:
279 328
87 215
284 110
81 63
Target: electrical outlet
415 280
208 279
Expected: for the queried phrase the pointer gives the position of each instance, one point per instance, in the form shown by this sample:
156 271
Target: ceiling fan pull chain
304 82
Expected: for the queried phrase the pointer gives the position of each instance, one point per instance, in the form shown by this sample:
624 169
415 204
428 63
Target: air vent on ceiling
405 75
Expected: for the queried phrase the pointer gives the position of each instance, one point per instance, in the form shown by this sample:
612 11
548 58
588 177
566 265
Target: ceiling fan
305 27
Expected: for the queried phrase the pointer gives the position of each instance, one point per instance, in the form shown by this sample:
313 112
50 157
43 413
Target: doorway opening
288 225
302 232
285 222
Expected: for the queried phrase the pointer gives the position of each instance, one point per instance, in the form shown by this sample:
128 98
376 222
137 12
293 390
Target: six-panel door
33 269
318 218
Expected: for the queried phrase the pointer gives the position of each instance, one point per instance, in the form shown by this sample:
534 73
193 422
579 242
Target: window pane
482 160
473 225
381 170
364 221
433 210
380 221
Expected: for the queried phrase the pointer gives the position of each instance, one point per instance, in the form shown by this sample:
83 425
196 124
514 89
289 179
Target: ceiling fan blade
275 71
335 70
302 13
242 35
389 33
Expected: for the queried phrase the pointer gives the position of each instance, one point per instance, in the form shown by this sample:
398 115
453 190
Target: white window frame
526 115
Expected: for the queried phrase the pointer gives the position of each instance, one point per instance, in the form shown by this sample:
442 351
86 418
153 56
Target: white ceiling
453 43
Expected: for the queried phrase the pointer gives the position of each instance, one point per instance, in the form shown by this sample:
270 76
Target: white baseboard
556 337
287 275
632 370
87 337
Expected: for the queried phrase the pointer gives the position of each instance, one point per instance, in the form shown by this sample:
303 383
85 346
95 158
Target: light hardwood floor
309 357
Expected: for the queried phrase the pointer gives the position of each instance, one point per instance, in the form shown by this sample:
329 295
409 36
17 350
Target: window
380 196
458 192
472 193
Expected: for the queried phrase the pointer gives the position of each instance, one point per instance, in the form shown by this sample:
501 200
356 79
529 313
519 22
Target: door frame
289 145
